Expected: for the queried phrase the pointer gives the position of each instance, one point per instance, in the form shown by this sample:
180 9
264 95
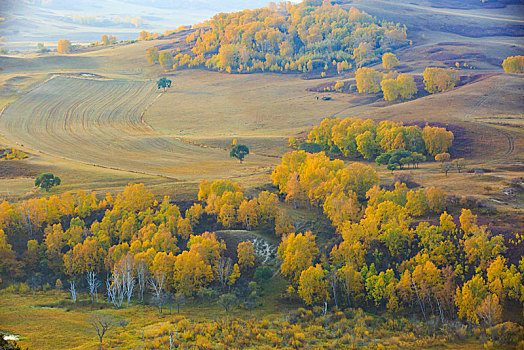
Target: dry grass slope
100 123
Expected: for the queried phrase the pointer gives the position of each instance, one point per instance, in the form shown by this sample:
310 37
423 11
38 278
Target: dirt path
507 135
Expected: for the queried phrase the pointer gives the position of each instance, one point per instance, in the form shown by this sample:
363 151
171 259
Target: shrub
508 333
310 147
263 274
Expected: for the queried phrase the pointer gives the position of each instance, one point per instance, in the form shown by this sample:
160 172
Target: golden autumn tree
295 191
470 297
88 256
368 80
514 64
54 241
248 213
407 87
490 310
191 272
8 263
164 241
352 282
64 46
283 224
184 228
194 213
437 140
340 207
165 58
162 276
389 60
246 255
207 246
105 40
367 145
440 79
297 252
313 285
143 35
152 55
390 89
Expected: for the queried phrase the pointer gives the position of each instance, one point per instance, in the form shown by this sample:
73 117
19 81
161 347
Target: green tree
163 83
46 181
239 152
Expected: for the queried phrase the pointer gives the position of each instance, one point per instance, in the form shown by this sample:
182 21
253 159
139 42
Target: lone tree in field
164 83
239 152
101 325
46 181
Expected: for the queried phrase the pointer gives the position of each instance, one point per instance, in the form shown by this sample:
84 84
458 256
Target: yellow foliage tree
313 285
64 46
191 272
390 89
368 80
389 61
437 140
297 252
246 255
440 79
514 64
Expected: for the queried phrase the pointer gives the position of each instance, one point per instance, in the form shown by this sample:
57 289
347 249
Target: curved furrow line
100 123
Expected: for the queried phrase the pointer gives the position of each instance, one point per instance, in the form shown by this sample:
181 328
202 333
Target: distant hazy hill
31 21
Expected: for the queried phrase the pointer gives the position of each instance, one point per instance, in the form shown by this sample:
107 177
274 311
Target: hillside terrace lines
100 123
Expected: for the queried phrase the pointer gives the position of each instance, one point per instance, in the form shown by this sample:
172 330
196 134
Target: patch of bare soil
450 53
513 168
10 169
